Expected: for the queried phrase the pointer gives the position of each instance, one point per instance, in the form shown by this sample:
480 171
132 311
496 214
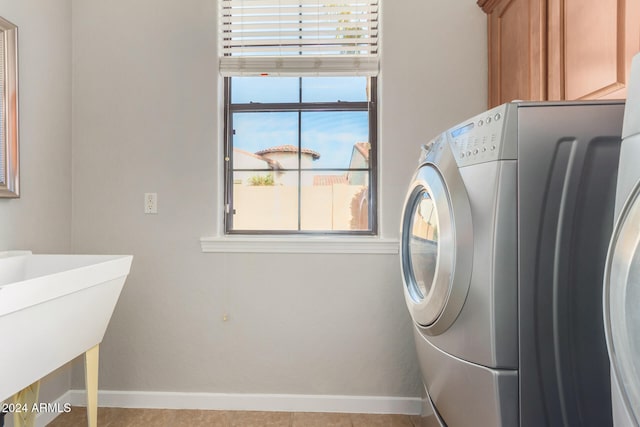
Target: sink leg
91 381
25 400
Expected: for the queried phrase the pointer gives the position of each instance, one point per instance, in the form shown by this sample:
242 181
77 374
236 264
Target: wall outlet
151 203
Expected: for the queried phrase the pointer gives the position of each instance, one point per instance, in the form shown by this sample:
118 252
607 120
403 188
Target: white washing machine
622 278
505 231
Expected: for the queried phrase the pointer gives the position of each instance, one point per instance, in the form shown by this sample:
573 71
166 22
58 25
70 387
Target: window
300 154
300 116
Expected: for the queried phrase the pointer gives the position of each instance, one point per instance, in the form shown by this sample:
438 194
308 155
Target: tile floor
120 417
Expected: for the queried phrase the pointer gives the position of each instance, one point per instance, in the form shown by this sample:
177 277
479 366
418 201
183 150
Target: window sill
300 245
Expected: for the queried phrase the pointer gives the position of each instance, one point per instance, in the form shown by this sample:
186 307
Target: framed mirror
9 144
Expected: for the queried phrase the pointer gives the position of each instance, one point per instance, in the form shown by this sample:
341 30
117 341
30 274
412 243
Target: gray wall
144 119
436 81
40 219
145 107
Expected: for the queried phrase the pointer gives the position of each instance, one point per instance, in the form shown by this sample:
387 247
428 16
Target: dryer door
436 249
621 306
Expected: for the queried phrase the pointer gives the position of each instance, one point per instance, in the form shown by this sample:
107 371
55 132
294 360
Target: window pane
245 90
259 203
337 202
265 140
334 89
338 138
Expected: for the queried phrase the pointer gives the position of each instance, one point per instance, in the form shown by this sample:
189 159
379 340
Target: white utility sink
54 308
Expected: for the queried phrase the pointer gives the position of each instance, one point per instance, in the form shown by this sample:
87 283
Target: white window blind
298 37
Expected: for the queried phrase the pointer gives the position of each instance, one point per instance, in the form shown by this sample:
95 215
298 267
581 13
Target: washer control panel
478 140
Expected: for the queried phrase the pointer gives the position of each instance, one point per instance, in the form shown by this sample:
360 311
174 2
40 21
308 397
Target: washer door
622 304
436 249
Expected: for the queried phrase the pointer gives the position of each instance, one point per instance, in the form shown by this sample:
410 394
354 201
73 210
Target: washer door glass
622 304
423 245
427 247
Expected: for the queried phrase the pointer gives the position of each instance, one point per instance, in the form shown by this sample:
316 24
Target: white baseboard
250 402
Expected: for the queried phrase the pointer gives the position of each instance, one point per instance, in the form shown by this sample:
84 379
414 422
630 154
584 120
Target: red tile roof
363 148
288 149
272 163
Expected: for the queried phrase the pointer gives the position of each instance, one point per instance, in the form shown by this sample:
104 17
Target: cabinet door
517 49
591 43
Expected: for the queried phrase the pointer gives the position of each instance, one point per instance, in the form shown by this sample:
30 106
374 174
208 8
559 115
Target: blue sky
286 89
332 134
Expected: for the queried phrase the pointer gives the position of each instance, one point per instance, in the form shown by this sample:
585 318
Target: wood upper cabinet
517 50
560 49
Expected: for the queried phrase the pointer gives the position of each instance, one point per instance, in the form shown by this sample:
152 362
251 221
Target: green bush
262 180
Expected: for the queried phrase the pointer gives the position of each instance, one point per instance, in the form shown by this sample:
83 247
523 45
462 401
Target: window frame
369 106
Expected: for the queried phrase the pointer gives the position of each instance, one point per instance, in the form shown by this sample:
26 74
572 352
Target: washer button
497 116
